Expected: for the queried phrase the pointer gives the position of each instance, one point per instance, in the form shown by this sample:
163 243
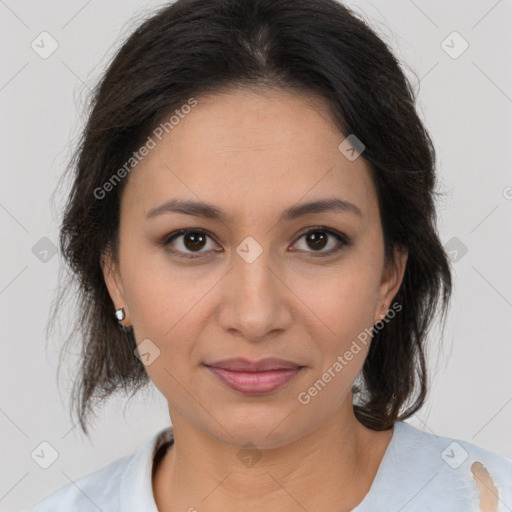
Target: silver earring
120 314
382 315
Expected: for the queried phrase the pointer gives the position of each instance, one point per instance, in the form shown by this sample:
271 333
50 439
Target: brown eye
186 242
194 241
317 239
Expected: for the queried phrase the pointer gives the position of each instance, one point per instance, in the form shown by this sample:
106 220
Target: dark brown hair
193 47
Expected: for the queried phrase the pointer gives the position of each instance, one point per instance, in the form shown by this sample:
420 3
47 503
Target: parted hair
191 47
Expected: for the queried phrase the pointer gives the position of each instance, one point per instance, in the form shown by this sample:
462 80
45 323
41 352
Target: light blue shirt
420 472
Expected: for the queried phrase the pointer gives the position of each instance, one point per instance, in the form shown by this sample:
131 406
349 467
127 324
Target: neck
331 468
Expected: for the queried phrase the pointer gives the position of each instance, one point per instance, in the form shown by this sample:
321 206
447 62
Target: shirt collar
136 489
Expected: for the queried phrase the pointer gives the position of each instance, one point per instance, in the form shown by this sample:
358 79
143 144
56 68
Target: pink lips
253 378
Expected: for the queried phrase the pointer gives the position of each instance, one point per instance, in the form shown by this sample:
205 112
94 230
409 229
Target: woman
253 228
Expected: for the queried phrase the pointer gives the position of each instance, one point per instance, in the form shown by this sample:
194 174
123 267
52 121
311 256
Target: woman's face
256 284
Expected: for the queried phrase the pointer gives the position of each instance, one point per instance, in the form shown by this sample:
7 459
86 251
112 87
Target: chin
262 426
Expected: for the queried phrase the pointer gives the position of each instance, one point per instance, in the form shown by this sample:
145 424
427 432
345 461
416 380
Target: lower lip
253 383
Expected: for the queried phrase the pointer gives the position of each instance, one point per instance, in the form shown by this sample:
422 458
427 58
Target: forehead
250 151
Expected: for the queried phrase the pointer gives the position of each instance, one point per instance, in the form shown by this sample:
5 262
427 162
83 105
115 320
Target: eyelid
342 239
180 232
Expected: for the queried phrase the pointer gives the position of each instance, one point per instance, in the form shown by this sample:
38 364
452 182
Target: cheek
341 319
169 306
161 292
341 302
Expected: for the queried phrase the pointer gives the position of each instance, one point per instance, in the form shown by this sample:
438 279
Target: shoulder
124 480
452 472
90 492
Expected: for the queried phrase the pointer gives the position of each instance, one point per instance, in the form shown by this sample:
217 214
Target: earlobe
114 285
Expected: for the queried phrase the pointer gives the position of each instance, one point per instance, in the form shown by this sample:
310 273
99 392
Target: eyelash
342 239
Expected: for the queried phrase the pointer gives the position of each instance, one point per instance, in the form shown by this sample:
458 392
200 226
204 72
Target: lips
254 377
264 365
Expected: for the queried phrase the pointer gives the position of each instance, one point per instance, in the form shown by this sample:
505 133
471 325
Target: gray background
466 103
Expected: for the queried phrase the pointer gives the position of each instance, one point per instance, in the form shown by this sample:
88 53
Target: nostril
488 492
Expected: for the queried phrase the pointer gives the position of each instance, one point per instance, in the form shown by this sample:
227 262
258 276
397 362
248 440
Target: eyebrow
209 211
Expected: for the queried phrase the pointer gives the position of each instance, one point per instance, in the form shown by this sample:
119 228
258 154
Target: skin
489 496
254 154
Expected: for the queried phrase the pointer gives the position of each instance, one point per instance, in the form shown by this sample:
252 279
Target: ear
112 277
391 281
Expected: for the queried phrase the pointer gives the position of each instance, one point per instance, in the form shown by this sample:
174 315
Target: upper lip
244 365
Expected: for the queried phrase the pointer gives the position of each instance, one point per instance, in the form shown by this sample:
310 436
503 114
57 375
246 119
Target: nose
255 300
